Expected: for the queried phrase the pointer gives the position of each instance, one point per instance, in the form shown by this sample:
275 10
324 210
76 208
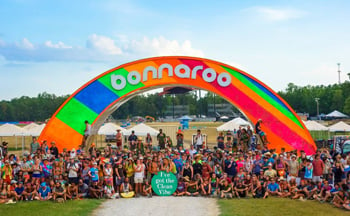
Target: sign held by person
164 184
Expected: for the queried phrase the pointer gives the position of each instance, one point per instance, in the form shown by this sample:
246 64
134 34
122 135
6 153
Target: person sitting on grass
285 188
192 188
310 189
95 190
109 190
325 192
206 188
59 192
273 189
181 186
147 189
44 192
240 190
226 191
29 192
83 189
72 191
126 189
4 193
258 190
19 191
339 199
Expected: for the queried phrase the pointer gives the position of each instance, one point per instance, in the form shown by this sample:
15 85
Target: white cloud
59 45
98 48
272 14
103 44
25 44
162 46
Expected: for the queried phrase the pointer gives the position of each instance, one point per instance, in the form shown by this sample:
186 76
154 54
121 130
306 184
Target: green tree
347 106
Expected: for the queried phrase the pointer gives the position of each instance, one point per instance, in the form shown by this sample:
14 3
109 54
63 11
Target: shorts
119 181
138 180
261 133
316 179
36 175
73 180
119 143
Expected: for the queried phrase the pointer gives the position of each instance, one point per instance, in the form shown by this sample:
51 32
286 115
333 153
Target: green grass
276 206
37 208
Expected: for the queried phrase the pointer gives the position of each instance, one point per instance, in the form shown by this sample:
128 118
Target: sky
57 46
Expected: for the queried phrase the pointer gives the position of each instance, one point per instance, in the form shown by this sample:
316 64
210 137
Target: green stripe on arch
74 114
265 96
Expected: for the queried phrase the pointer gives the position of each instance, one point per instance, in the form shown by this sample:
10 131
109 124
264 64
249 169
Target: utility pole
317 103
338 73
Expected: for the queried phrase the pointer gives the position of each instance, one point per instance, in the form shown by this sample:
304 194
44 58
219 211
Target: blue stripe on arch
96 96
269 93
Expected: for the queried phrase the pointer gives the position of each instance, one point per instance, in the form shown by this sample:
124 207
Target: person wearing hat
72 168
293 169
161 138
44 192
270 172
132 139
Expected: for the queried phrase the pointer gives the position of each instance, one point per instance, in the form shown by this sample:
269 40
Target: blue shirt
94 174
19 190
273 187
44 193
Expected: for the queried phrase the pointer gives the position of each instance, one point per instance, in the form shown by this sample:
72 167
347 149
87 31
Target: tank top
187 172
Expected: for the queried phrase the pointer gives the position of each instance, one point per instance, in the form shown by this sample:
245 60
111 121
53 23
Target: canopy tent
110 129
11 130
142 130
315 126
241 122
35 131
185 117
340 126
30 126
336 114
230 125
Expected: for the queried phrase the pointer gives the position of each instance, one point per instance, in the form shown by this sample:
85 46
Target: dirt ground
159 206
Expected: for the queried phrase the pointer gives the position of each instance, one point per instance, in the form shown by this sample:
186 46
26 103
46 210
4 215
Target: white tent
340 126
241 122
30 126
336 114
11 130
315 126
142 130
35 131
230 125
110 129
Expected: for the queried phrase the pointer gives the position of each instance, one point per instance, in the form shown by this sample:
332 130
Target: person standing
198 140
161 137
179 140
318 166
138 176
53 149
34 146
260 132
132 140
119 139
87 132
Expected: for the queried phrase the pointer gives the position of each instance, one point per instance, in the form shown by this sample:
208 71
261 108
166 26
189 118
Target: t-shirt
19 190
72 173
140 174
270 173
94 174
84 188
161 137
273 187
58 189
44 193
35 146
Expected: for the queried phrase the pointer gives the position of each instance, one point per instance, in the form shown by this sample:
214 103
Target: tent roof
185 117
336 114
241 122
29 126
142 130
110 129
340 126
230 125
11 130
315 126
35 131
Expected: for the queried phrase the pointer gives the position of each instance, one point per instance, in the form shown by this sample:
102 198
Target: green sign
164 184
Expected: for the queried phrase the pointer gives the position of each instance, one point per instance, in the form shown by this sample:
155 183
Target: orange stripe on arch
63 135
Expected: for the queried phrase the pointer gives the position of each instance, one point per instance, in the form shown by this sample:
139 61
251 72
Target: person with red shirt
318 169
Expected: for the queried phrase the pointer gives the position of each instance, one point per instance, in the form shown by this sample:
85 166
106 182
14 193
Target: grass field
276 206
36 208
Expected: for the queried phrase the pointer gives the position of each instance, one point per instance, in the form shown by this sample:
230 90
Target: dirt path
159 206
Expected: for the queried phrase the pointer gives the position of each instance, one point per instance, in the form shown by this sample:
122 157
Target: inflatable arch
101 96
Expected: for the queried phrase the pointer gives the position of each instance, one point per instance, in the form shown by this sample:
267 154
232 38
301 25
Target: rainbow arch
98 98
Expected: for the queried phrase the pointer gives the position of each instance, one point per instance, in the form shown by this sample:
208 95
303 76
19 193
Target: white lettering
180 68
209 75
224 79
148 69
114 80
134 77
194 71
162 67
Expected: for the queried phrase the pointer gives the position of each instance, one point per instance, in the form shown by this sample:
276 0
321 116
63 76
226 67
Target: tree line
301 99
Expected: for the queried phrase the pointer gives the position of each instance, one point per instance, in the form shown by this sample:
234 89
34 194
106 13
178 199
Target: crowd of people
235 168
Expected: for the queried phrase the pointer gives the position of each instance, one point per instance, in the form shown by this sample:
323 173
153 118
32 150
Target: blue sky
57 46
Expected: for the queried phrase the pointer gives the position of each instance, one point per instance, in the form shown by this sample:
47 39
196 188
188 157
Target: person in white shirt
198 140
